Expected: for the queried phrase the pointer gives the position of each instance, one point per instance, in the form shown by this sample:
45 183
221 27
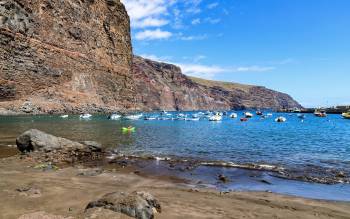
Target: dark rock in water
140 205
93 145
35 140
223 178
341 174
265 181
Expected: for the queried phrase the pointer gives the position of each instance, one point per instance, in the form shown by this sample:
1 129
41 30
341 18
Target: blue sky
301 47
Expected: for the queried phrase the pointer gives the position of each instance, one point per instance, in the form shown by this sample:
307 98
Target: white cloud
140 10
213 5
190 38
202 71
153 34
212 20
253 68
150 22
196 21
196 69
157 58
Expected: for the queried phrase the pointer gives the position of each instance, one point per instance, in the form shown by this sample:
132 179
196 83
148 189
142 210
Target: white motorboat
64 116
216 117
85 116
115 116
134 117
280 119
233 115
248 114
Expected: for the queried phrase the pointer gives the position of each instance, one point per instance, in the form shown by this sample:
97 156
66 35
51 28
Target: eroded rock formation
71 55
75 56
163 86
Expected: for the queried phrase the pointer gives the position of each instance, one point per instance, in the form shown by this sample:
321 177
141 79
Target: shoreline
63 192
219 176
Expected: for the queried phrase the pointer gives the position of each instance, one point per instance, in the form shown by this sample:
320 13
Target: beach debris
46 167
90 172
223 178
29 191
140 205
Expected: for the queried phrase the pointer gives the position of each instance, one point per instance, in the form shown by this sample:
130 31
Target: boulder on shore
35 140
140 205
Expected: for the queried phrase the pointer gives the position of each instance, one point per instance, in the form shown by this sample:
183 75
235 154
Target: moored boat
320 113
216 117
64 116
134 117
85 116
233 115
248 114
280 119
346 115
114 116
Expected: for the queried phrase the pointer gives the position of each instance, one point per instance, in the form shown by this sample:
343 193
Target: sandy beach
29 192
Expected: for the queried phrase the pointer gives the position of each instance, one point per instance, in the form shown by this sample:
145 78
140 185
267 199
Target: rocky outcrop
140 205
58 56
163 86
75 56
50 148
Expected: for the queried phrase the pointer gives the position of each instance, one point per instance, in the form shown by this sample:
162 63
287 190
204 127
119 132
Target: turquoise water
319 142
316 149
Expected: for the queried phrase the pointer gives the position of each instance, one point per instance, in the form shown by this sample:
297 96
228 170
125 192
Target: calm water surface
316 144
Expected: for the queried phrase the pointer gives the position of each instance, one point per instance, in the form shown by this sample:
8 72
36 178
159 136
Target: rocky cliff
163 86
75 56
71 55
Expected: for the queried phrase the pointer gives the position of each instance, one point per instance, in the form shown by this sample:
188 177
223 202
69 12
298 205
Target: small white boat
269 114
115 116
134 117
233 115
85 116
280 119
64 116
151 118
215 118
248 114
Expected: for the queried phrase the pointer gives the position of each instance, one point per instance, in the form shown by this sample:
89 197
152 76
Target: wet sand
24 189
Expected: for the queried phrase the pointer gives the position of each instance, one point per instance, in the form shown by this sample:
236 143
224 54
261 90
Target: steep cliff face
76 56
71 55
163 86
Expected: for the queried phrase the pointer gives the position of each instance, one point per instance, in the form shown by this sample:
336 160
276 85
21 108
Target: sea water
313 149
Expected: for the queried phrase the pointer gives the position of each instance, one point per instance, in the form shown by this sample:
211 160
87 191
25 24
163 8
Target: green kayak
125 129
